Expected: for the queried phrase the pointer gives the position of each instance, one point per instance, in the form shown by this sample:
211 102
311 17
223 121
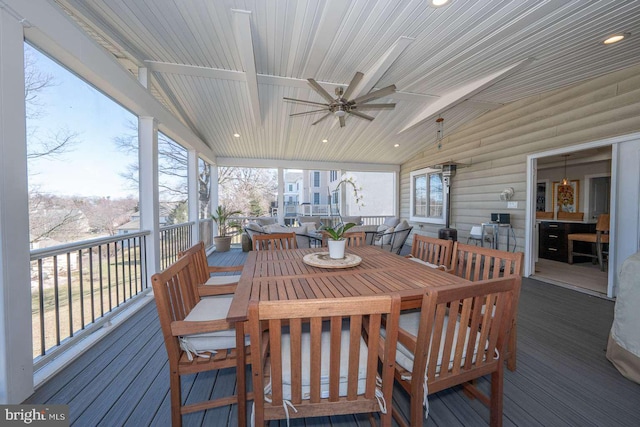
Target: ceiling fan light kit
341 106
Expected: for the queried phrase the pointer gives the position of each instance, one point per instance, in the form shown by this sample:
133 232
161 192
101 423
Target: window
316 198
333 176
316 179
428 198
290 187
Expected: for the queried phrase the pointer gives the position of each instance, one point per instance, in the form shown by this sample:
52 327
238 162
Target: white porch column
16 354
149 200
215 200
194 194
281 196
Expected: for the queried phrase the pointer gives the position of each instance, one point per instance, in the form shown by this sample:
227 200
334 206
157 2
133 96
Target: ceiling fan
341 105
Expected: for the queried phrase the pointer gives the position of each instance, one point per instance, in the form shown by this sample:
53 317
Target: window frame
316 179
426 173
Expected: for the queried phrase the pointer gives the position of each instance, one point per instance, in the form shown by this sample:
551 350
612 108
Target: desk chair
599 239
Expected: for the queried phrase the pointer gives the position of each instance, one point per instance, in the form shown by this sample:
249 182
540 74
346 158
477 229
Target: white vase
336 248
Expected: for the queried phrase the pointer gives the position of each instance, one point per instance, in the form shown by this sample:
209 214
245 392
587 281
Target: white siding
495 145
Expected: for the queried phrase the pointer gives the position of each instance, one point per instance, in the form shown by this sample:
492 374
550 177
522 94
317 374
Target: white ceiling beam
459 95
242 29
375 73
217 73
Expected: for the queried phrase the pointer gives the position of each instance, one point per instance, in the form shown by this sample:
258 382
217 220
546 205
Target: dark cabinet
553 242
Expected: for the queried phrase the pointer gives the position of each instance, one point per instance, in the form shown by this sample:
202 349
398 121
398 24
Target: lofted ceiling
223 67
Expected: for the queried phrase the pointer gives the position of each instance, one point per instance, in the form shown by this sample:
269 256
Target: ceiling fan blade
321 119
342 121
362 116
374 107
374 95
308 112
314 84
304 101
352 86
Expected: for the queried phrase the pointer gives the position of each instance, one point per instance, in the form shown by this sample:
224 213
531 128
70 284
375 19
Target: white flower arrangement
349 180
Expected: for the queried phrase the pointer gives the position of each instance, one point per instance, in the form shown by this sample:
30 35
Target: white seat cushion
410 322
223 280
428 264
324 375
210 308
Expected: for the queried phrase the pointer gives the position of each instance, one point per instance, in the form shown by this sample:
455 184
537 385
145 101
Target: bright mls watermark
34 415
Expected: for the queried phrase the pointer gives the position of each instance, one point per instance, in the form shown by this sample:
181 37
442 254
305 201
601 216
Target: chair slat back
432 250
473 340
309 362
355 238
477 263
274 241
173 290
198 257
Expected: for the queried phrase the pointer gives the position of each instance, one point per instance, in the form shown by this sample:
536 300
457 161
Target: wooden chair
182 314
353 238
477 263
599 239
452 352
432 251
274 241
318 367
204 271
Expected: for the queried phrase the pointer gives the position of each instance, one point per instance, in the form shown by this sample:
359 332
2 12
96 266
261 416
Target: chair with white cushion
197 337
458 335
433 252
319 363
204 271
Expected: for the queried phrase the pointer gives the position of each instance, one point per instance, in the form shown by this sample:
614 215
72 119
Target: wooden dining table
281 275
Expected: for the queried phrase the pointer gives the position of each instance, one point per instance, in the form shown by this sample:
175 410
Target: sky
92 167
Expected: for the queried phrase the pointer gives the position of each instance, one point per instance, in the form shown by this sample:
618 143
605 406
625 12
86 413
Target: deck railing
173 239
77 287
366 220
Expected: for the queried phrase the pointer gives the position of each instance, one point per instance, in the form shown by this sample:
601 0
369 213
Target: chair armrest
184 327
208 291
221 269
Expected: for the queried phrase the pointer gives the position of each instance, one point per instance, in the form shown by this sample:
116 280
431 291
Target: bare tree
54 218
54 142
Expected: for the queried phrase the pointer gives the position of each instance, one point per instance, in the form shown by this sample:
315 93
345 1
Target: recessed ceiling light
236 135
438 3
396 145
325 140
615 38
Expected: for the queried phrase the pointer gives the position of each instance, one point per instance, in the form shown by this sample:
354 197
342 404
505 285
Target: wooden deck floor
563 377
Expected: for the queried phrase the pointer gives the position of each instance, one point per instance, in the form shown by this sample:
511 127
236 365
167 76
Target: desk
496 227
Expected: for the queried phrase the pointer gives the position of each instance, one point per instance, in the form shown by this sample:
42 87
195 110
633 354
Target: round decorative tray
321 259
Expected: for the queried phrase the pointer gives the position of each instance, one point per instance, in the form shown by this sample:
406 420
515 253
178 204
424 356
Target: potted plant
336 240
226 228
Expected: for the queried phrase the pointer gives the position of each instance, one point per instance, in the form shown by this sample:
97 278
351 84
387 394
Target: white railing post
149 199
281 212
16 359
194 194
214 196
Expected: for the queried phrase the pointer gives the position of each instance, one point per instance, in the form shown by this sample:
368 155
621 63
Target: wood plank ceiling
223 67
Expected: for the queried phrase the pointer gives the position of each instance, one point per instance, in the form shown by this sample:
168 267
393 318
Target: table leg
240 374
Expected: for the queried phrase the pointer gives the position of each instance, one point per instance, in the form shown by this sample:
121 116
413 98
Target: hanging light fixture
565 180
439 129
